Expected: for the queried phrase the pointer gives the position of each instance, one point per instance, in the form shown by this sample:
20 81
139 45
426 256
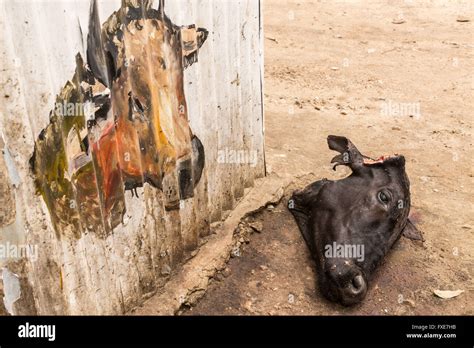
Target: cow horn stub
95 53
161 8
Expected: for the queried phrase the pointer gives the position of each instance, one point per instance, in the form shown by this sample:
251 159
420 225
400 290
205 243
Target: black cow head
351 224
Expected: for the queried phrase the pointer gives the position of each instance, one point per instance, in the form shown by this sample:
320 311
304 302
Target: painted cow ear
201 36
411 232
349 156
191 40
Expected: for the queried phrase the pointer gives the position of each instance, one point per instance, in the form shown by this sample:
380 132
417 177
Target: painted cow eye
383 197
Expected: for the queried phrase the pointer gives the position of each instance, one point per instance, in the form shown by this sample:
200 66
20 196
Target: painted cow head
349 225
140 56
136 127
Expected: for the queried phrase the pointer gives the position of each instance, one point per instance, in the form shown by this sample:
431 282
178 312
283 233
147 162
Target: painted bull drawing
133 127
361 216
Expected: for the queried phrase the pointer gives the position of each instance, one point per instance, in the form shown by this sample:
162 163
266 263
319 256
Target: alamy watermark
73 109
395 109
28 330
240 156
16 251
345 251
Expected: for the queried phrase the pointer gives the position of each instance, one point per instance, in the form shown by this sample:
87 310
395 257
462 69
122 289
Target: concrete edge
189 284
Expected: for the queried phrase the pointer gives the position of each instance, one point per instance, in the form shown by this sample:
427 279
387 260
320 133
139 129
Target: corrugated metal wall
67 265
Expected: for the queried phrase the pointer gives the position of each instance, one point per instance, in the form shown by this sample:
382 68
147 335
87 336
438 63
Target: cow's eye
383 197
137 106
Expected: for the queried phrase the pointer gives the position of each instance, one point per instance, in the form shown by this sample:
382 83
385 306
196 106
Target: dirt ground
333 67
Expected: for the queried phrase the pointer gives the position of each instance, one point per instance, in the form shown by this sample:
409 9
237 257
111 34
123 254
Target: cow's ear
201 36
191 40
95 49
411 232
349 155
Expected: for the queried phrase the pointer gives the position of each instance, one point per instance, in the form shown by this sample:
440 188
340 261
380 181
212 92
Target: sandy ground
334 67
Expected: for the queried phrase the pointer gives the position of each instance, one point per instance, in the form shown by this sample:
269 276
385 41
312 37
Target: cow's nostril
358 281
355 291
358 285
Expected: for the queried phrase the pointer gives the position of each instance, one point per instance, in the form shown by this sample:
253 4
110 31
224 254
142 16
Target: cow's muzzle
355 291
347 284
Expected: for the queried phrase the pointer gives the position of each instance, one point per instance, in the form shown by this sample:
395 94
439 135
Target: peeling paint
11 289
14 232
11 167
7 201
